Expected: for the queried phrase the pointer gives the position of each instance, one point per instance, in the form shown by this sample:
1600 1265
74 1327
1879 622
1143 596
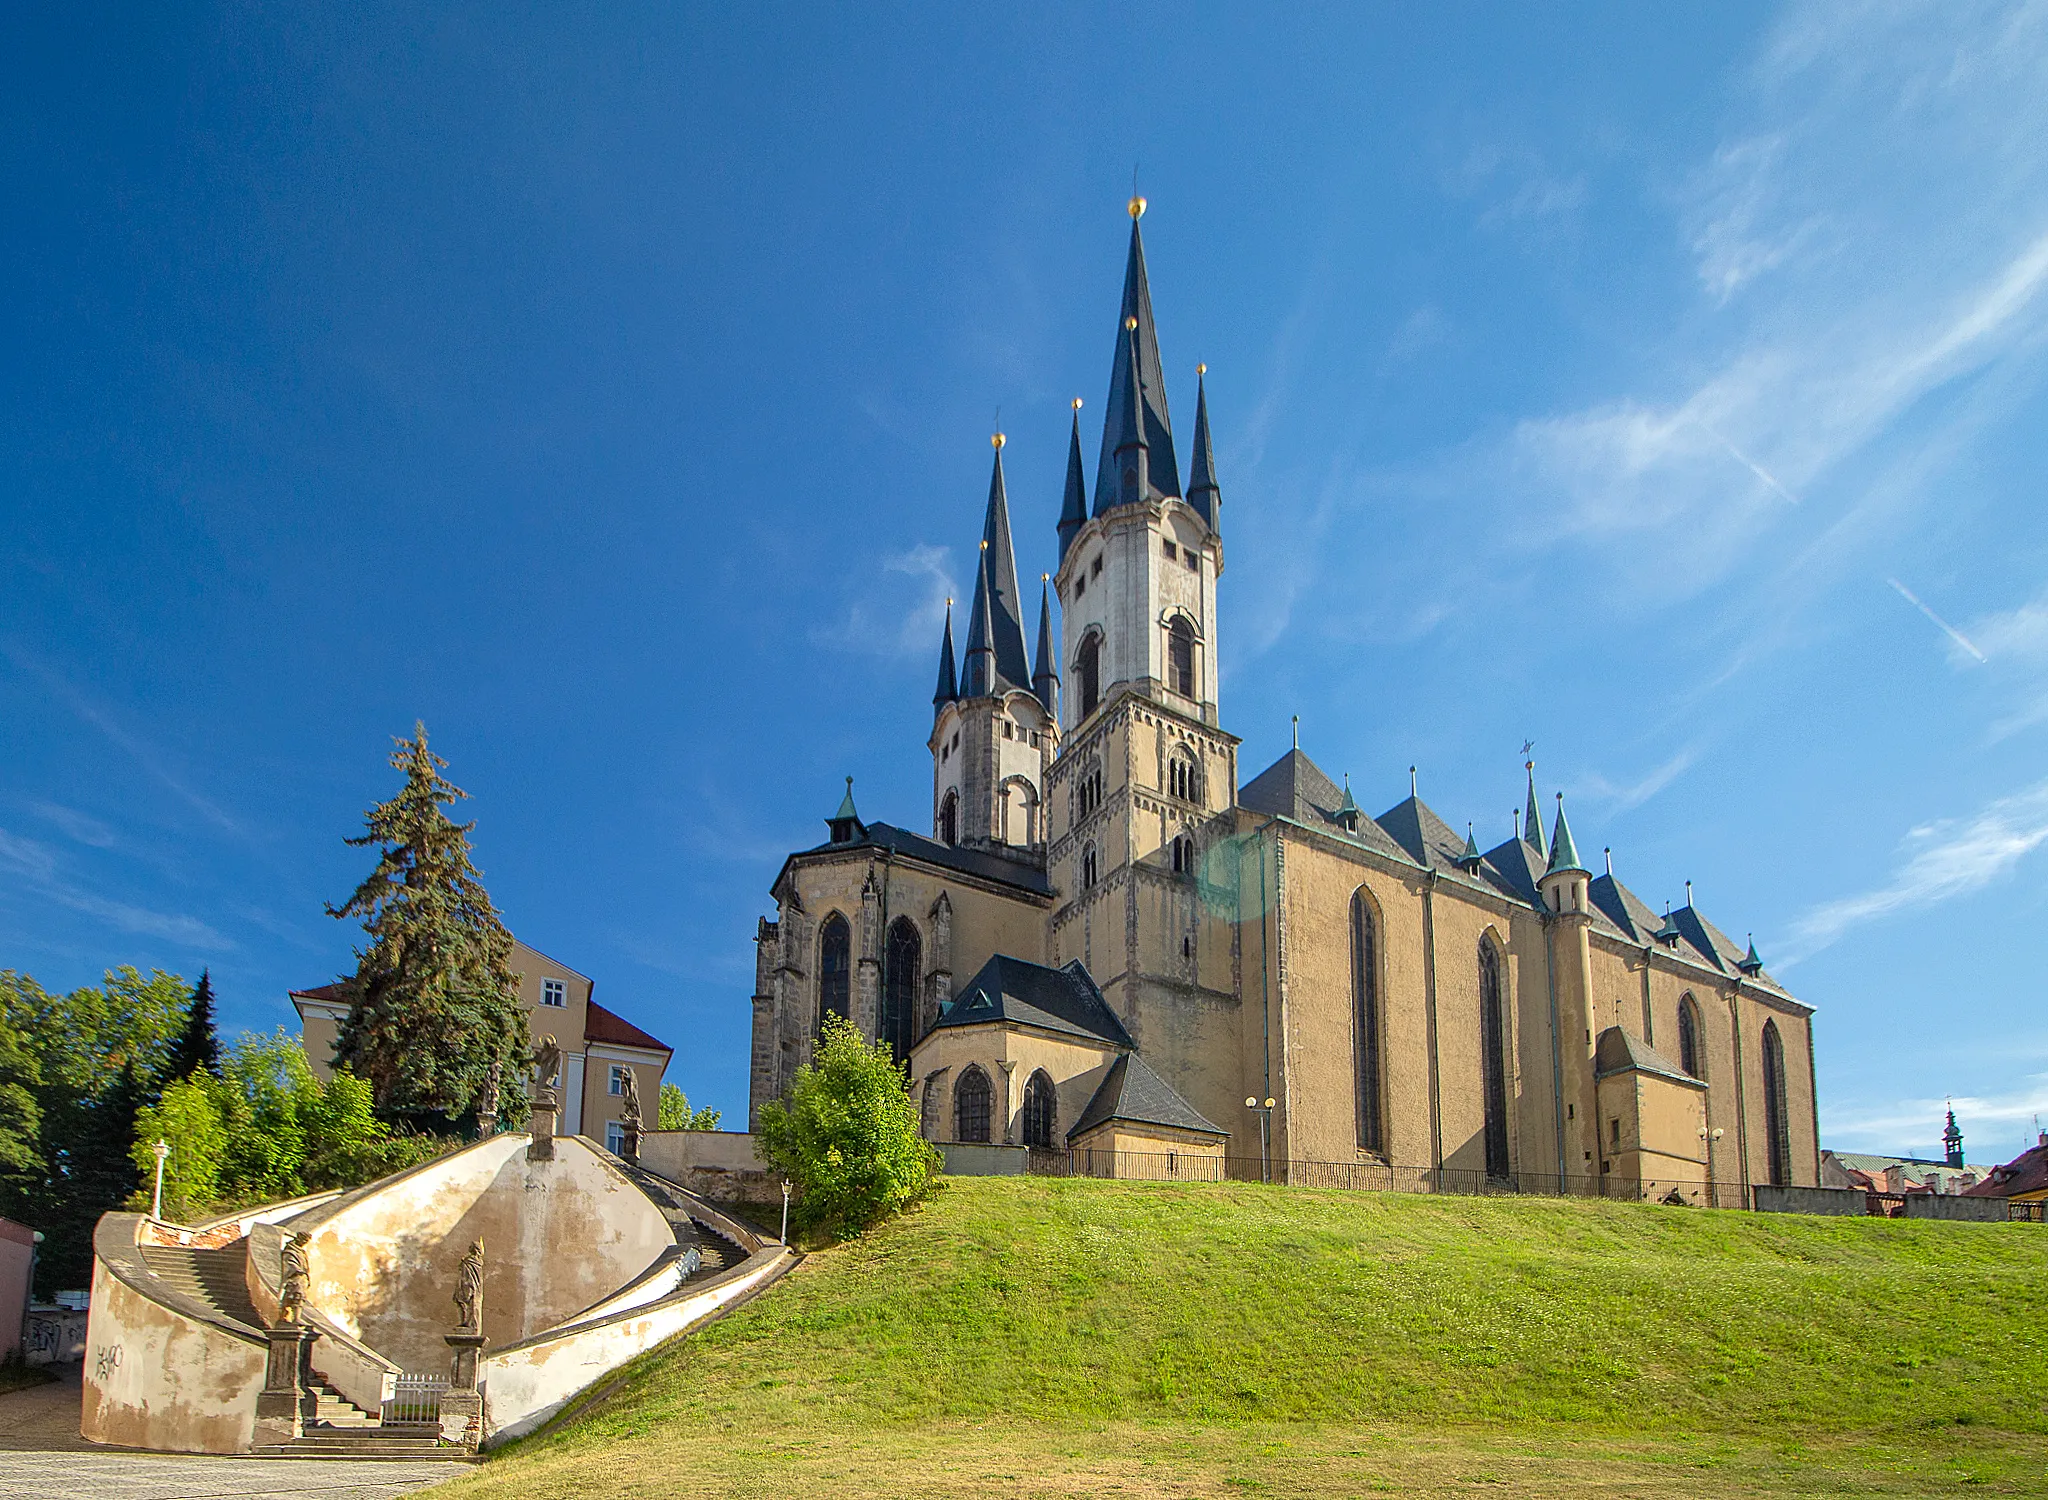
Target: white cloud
903 609
1945 859
37 868
1621 796
79 827
1996 1127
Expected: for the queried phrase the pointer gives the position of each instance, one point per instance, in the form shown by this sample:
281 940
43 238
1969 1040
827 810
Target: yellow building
598 1047
1337 997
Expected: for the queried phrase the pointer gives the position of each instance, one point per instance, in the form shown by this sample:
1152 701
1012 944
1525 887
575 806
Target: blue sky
612 392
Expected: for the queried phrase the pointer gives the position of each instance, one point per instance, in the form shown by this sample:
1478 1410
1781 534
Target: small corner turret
1565 881
845 824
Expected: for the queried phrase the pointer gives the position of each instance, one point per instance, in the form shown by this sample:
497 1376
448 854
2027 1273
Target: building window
1365 998
553 992
1689 1036
614 1137
1089 669
901 962
1193 558
616 1084
1170 550
1088 868
1614 1134
1183 855
1087 792
1095 568
1777 1124
1493 1061
1041 1107
949 819
835 968
1080 584
1180 657
1184 777
971 1107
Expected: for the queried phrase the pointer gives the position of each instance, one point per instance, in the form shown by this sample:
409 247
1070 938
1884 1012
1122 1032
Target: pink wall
17 1260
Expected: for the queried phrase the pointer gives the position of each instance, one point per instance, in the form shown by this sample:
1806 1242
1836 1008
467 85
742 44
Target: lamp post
1265 1114
162 1149
1708 1137
785 1210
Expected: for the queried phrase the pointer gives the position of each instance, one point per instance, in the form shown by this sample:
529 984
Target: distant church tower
994 722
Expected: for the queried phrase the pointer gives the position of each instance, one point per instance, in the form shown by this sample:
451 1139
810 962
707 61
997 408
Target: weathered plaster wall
558 1236
1009 1055
155 1378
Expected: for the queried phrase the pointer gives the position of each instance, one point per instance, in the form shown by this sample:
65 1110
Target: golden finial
984 544
1130 324
949 601
1045 578
1077 403
1137 206
996 441
1201 369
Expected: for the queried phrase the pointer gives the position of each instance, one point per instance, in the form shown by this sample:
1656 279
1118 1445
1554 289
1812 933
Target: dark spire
995 596
1348 813
1952 1140
1074 513
1532 820
1137 387
1133 468
1203 493
949 685
1044 680
980 679
1470 858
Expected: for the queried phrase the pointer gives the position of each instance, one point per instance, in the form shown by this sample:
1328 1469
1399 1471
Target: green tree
848 1136
197 1046
432 1002
188 1119
21 1113
674 1112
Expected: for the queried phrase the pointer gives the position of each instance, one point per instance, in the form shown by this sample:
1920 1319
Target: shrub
848 1136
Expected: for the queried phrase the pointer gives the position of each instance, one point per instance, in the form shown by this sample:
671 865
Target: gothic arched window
1493 1061
1088 868
902 961
1184 776
1041 1107
1180 657
1689 1036
1365 992
1088 667
971 1107
1777 1123
949 819
1183 855
835 968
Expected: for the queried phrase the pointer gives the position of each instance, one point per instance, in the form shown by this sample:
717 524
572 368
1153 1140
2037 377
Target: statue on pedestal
469 1290
487 1102
547 1065
296 1274
629 1091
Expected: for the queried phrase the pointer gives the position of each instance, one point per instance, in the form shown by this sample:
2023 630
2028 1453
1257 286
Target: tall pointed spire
1564 854
949 685
1137 387
1074 512
996 588
1045 681
981 680
1133 466
1203 493
1532 820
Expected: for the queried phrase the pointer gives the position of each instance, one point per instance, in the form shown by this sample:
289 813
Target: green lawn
1027 1336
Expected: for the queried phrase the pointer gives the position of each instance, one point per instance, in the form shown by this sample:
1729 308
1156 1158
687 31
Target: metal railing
415 1398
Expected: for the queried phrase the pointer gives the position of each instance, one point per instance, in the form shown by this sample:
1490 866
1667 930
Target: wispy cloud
1947 629
1621 796
35 866
1996 1126
79 827
1943 860
2018 640
903 609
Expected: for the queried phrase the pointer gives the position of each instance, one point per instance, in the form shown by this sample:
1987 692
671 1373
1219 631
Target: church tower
993 725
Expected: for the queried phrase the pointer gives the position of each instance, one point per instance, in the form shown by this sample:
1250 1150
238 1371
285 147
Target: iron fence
415 1398
2017 1212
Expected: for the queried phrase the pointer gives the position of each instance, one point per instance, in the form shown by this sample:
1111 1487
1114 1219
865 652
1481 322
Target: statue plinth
286 1404
462 1404
541 1125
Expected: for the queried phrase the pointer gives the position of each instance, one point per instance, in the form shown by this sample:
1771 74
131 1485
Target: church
1112 946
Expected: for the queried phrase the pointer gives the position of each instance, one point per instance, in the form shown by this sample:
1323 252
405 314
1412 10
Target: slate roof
601 1025
1147 402
976 862
1628 913
1132 1092
1295 787
1015 989
1618 1051
996 619
1515 868
1423 836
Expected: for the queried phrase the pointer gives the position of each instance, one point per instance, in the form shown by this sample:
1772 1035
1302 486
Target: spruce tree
433 1001
197 1046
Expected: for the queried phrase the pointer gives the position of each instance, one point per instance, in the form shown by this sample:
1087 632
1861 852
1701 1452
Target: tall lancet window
949 819
835 968
1689 1036
1041 1106
1493 1061
1365 994
901 962
971 1107
1777 1123
1088 667
1180 657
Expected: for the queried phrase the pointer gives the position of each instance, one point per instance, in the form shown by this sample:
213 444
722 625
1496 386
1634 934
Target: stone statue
291 1292
469 1289
630 1092
547 1063
487 1102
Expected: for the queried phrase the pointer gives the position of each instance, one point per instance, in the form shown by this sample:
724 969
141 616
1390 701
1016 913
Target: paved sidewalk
42 1457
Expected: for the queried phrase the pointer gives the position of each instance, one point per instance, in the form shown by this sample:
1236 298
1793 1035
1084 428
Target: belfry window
1180 657
1170 551
1777 1123
1088 868
1041 1107
1493 1061
1184 777
835 967
971 1107
1088 667
1183 855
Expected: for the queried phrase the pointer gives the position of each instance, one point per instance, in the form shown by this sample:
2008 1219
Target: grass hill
1032 1336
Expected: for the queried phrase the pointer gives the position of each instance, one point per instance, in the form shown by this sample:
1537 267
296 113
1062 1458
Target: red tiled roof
335 991
2025 1173
601 1025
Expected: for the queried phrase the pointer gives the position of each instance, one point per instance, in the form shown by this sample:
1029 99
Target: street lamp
1265 1114
162 1149
785 1210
